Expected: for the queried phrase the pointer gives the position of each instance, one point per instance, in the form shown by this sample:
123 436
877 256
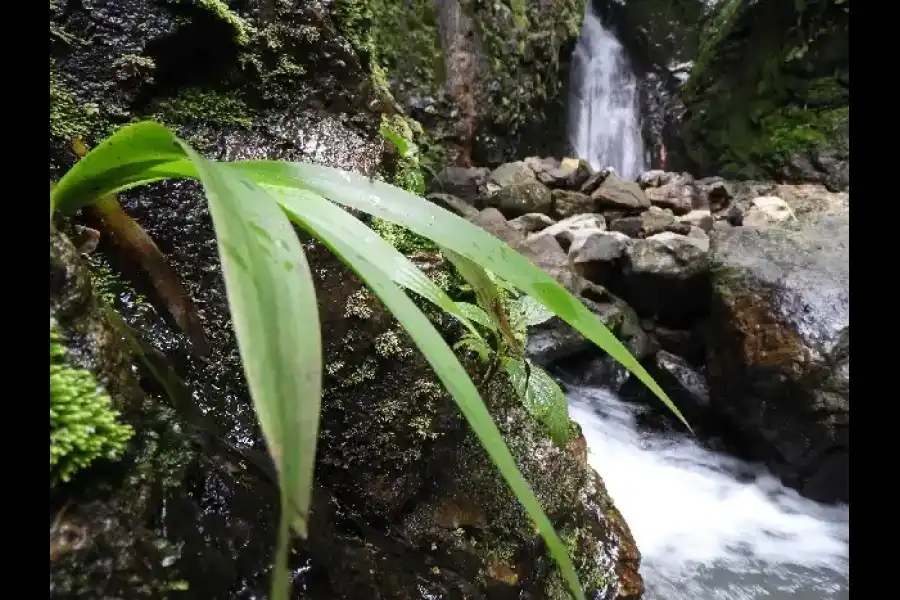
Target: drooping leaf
489 298
476 314
135 155
476 345
330 224
451 231
397 266
541 396
529 312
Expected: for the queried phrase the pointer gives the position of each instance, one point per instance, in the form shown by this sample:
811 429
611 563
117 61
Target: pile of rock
743 284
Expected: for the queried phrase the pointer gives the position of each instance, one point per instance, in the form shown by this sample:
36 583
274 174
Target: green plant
83 424
507 314
272 299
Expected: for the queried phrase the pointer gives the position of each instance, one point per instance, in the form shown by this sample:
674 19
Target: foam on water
709 526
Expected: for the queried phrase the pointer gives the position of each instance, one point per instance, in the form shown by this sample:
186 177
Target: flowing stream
604 116
710 527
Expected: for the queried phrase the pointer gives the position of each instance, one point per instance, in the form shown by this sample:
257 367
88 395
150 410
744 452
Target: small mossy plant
272 299
84 427
506 315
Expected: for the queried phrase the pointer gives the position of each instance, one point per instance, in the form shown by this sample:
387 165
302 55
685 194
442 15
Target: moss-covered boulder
407 502
768 96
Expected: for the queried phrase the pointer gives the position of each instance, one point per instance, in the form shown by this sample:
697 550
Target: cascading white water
708 526
604 117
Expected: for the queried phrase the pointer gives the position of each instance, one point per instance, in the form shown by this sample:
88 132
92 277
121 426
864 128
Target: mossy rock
769 92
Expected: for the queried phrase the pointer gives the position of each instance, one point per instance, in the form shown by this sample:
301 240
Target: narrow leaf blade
135 155
447 229
322 219
398 267
273 306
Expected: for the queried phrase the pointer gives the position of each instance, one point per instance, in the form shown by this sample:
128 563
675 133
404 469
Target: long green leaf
447 229
135 155
476 313
143 153
398 267
344 235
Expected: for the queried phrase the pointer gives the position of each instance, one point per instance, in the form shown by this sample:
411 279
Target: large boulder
517 199
615 193
463 182
667 277
779 342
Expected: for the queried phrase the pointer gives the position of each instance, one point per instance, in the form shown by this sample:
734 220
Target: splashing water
710 527
604 117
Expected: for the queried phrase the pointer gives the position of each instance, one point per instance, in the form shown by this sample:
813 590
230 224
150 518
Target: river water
711 527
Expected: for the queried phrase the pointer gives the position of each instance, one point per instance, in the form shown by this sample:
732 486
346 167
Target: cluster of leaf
83 424
271 296
506 314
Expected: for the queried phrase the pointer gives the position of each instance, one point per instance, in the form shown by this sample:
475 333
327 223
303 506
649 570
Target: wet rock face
780 342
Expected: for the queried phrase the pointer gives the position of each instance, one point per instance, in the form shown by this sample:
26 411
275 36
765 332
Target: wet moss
243 30
527 48
195 105
83 425
401 238
69 119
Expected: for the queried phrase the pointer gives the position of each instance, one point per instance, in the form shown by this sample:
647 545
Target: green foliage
243 31
83 424
272 298
506 315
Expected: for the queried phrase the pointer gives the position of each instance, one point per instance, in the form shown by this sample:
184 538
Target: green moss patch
83 425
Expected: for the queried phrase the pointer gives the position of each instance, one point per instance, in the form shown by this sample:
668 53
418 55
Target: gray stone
767 210
463 182
677 194
454 204
617 193
596 255
779 345
567 203
666 277
701 218
517 199
509 174
531 222
565 231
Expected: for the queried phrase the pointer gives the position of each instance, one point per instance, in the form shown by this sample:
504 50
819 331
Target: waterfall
604 117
